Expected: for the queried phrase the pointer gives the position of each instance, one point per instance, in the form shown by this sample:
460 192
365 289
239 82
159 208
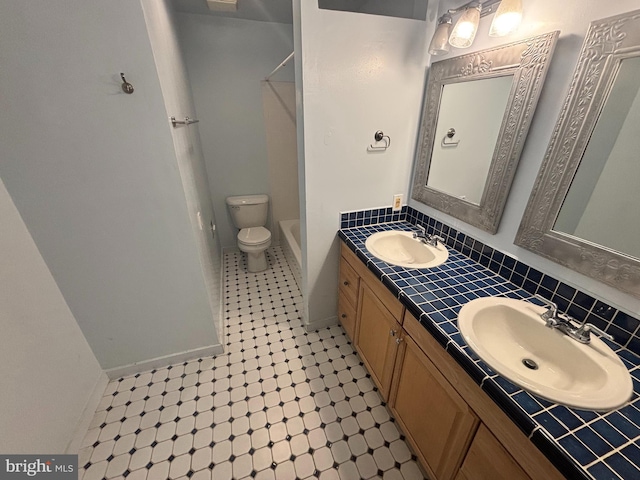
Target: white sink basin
508 333
400 248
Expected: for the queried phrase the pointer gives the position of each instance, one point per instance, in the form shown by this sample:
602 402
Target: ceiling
416 9
278 11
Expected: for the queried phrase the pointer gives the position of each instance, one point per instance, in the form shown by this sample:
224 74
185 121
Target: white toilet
249 214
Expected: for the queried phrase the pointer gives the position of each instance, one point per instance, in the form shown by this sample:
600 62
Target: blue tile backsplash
372 217
579 305
582 444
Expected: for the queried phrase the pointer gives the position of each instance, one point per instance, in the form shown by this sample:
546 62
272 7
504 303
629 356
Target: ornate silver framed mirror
476 115
583 210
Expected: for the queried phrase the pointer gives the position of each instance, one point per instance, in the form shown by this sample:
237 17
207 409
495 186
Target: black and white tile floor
280 404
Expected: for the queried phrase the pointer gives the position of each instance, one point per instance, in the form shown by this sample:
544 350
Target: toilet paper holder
378 137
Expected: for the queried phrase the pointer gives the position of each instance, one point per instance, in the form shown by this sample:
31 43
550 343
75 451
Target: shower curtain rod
284 62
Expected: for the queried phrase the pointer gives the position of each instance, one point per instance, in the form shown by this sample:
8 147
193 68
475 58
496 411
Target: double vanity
486 379
475 370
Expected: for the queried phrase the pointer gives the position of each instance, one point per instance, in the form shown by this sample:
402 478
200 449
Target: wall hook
447 141
379 136
187 121
126 86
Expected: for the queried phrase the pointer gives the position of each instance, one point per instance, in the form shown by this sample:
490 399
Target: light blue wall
227 59
178 100
93 172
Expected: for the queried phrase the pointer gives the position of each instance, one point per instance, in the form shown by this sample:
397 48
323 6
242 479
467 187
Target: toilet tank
248 210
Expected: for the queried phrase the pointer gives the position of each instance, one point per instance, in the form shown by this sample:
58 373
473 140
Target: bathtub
290 243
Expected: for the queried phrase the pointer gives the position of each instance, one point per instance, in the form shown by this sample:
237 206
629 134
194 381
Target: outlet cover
396 206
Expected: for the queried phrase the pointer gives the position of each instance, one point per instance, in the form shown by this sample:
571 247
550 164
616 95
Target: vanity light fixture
506 21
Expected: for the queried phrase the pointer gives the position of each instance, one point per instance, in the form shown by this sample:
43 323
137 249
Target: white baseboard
221 324
87 414
318 324
164 361
274 243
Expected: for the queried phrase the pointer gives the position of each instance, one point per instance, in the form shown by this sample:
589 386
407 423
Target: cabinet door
437 421
488 460
377 338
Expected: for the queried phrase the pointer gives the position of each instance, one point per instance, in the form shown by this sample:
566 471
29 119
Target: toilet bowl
254 241
249 215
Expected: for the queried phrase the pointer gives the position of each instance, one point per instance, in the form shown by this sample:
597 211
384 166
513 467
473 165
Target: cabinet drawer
349 281
347 315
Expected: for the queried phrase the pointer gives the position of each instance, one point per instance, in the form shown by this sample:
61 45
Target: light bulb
507 18
465 30
440 42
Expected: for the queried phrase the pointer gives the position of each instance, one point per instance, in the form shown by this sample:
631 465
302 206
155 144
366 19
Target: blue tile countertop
581 444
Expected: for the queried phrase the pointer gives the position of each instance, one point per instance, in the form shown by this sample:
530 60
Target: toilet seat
254 235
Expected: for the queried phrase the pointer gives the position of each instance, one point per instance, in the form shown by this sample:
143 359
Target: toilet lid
254 235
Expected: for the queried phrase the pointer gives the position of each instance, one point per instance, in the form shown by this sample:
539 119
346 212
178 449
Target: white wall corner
320 324
87 414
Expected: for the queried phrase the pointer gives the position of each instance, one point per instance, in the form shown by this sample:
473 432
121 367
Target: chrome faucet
421 234
583 333
550 316
426 238
565 323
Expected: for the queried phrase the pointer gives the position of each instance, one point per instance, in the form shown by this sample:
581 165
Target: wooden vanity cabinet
436 420
455 429
510 443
